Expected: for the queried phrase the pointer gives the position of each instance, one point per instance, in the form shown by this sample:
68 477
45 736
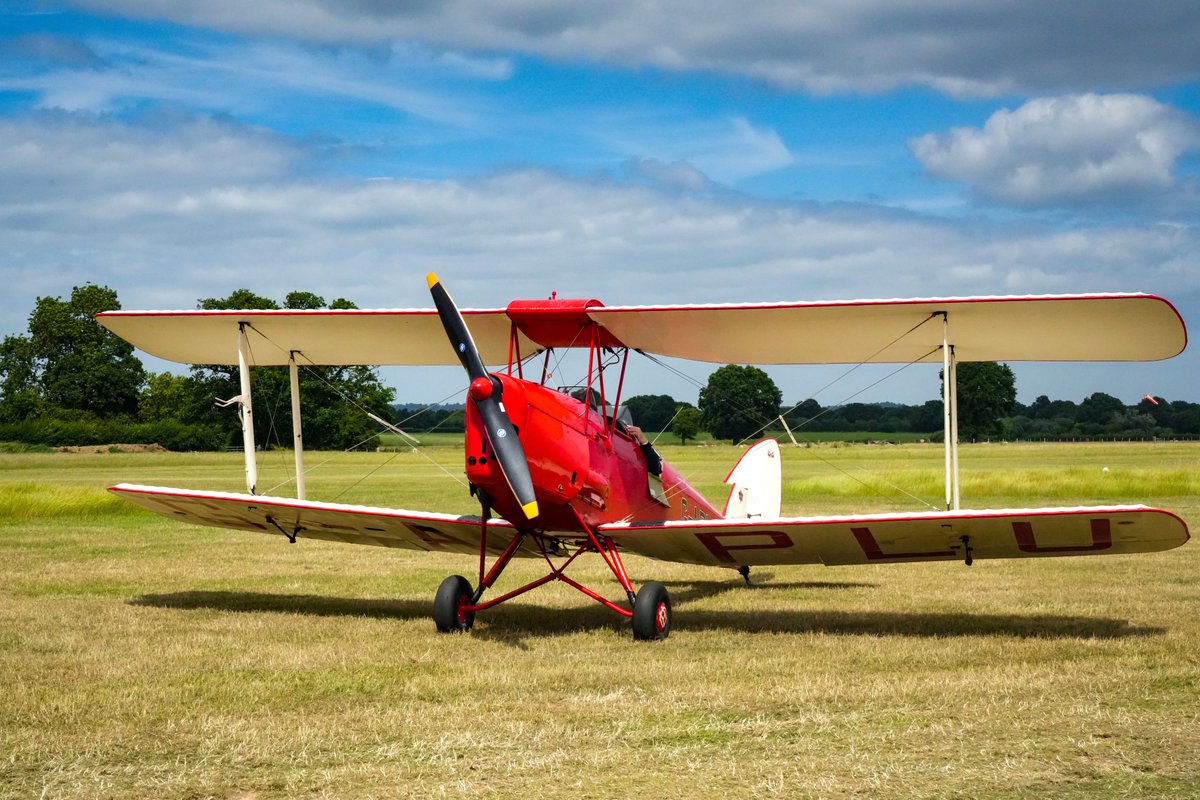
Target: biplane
560 475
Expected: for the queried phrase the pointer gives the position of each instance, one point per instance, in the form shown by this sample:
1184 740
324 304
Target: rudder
756 483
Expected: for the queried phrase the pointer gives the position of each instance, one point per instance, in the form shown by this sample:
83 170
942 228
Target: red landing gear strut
455 605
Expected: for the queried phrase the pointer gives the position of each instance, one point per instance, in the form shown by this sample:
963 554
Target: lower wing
334 522
894 538
867 539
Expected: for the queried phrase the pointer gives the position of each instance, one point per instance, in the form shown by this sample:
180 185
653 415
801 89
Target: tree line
741 402
987 409
69 381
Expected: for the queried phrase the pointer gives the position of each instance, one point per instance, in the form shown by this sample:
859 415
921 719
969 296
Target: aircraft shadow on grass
513 624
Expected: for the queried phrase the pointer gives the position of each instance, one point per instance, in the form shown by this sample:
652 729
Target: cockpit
592 398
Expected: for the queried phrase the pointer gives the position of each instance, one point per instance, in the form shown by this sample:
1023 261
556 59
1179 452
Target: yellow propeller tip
530 509
431 279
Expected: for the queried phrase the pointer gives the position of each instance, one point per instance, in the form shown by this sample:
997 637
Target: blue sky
638 153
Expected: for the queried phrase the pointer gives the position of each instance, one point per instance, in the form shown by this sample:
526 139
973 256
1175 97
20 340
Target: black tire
652 612
452 595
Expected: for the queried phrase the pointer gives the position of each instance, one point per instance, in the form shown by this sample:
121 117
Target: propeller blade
486 391
456 329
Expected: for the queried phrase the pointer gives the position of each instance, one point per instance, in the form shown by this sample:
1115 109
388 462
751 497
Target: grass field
142 658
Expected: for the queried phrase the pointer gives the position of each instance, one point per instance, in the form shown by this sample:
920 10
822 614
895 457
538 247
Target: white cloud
755 150
1077 149
37 50
821 45
261 76
211 206
726 150
55 157
678 175
86 198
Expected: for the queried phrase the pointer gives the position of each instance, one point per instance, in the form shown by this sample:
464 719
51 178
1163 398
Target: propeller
486 391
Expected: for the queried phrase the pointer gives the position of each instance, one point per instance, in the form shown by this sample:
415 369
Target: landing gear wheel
652 612
449 606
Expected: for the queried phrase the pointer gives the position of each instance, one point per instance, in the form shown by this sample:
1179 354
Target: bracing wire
310 369
826 461
765 423
855 367
850 397
747 411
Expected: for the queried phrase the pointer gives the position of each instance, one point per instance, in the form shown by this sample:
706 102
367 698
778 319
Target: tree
69 361
1041 408
20 396
652 412
687 423
1128 422
169 397
928 417
738 401
1185 417
804 415
987 393
335 398
1099 409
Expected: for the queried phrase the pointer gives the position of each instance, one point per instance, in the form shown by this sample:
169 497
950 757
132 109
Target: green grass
426 439
853 437
24 447
147 659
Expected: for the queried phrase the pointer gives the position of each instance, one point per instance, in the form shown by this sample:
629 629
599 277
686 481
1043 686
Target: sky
637 153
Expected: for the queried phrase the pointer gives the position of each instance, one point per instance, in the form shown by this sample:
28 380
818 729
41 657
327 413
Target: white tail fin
757 481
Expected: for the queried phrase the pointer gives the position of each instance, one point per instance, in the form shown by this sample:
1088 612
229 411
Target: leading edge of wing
335 522
896 538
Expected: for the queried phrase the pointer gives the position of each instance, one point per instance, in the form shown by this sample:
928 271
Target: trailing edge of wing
282 516
896 538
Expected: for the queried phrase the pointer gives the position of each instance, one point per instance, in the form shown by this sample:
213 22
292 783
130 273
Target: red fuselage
580 461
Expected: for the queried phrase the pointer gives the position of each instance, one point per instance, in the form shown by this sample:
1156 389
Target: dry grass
145 659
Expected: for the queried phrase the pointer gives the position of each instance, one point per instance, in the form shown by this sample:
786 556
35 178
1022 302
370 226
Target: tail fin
757 483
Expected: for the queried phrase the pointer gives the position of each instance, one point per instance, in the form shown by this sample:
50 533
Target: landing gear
652 612
456 604
450 604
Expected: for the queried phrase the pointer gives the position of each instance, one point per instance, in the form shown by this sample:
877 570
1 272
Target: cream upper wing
397 336
1130 327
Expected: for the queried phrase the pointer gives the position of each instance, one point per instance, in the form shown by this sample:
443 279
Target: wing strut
246 409
950 414
246 414
297 434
